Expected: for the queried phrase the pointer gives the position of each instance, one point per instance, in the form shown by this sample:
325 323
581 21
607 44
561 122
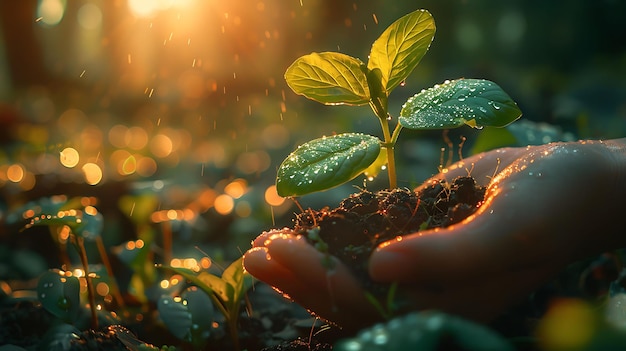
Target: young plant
225 292
57 290
334 78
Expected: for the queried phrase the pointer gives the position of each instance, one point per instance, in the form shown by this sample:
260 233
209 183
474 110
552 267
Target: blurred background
175 115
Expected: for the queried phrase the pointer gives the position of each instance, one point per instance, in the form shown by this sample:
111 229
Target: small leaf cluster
334 78
226 293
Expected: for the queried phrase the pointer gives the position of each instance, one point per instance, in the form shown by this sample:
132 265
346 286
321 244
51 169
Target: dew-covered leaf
238 278
59 294
426 331
90 226
475 102
326 162
219 287
401 47
374 169
331 78
201 307
175 315
35 208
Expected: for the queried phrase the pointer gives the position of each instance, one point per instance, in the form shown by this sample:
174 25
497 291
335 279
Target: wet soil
362 221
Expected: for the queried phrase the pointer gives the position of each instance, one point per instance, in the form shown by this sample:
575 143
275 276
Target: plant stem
115 290
80 246
389 144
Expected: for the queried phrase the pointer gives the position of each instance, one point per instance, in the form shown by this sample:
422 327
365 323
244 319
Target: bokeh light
69 157
272 197
224 204
50 12
161 145
236 188
90 16
93 173
15 173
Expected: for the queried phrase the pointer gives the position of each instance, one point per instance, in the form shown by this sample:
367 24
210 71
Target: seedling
188 316
334 78
57 290
225 292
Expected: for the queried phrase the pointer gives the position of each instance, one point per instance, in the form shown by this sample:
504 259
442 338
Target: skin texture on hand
545 207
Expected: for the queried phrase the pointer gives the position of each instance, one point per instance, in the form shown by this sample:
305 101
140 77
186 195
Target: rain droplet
63 303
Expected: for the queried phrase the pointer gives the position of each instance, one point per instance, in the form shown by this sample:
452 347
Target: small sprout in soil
334 78
226 293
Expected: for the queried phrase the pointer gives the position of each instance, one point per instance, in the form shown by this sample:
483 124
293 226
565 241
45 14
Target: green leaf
175 315
326 162
401 47
331 78
201 307
238 278
378 164
190 316
220 288
59 293
378 100
475 102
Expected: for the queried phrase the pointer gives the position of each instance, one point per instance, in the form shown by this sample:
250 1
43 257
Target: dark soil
362 221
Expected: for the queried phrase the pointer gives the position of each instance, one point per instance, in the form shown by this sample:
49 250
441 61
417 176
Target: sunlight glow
102 289
69 157
161 145
272 197
15 173
93 173
224 204
236 188
90 17
50 12
148 8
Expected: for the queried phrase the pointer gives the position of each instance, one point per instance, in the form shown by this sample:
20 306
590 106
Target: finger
260 240
294 267
458 252
482 166
485 298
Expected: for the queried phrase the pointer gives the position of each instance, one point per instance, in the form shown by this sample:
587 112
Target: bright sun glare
147 8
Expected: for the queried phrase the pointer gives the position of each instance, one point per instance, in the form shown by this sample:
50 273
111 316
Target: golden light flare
189 263
15 173
90 16
205 263
224 204
161 145
90 210
69 157
102 289
146 166
173 215
132 245
236 188
129 166
272 197
50 12
93 173
149 8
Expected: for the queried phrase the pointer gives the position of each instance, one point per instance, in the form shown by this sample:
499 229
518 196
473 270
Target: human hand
545 207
